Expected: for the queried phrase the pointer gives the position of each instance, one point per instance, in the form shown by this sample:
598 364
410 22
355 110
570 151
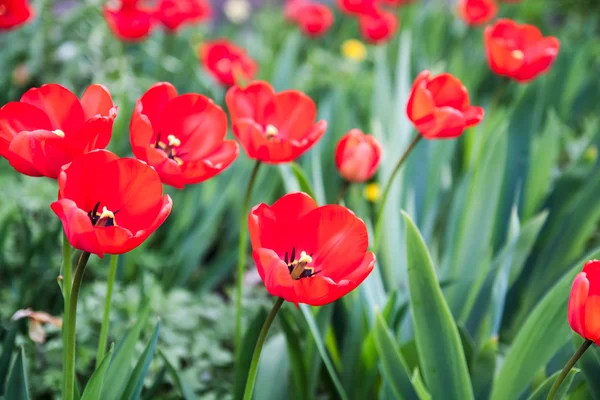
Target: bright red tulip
227 62
519 51
584 302
357 156
440 107
313 19
131 21
477 12
357 7
182 137
175 13
14 13
50 127
109 204
273 127
378 26
309 254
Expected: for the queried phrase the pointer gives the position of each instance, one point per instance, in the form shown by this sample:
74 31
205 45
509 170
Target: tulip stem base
570 364
388 186
258 348
112 273
242 261
69 372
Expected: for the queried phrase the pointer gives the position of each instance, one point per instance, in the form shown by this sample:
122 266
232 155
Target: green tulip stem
342 192
565 371
67 281
112 273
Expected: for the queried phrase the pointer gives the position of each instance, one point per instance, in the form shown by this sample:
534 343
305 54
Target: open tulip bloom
50 127
182 137
309 254
227 62
14 13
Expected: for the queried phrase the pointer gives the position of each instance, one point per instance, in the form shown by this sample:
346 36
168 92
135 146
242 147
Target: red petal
96 101
448 91
275 274
77 226
59 104
294 114
43 150
473 115
257 146
579 295
130 24
154 101
201 170
250 102
420 103
445 122
592 271
592 318
17 117
94 134
538 59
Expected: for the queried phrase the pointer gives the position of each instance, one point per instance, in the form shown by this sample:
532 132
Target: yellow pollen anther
517 54
271 131
305 258
58 132
173 141
106 213
178 160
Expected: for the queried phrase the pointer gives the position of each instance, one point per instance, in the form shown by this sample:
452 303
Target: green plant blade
394 367
440 350
8 346
133 390
94 386
182 385
242 365
302 180
295 357
16 384
542 392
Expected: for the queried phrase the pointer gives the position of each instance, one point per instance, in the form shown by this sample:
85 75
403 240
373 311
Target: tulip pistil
271 131
299 267
517 54
170 148
57 132
104 218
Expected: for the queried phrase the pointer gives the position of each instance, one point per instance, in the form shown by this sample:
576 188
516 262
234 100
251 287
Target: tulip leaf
441 353
302 180
419 385
242 365
8 346
182 385
484 368
544 332
133 390
272 382
295 356
394 367
94 386
542 392
16 384
285 65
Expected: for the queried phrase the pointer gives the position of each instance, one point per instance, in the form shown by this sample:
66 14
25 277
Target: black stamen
293 254
286 258
96 208
157 140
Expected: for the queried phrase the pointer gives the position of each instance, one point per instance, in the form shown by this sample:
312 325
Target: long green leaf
8 346
16 385
438 341
295 357
302 180
272 381
133 390
542 392
94 386
182 385
394 367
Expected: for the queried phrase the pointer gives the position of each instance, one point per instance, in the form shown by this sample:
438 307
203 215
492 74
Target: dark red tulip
378 26
273 127
227 62
309 254
584 302
175 13
519 52
477 12
182 137
50 127
109 204
133 20
14 13
440 107
313 19
357 156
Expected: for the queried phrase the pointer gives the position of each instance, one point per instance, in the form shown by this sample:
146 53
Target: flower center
104 218
170 148
517 54
271 131
57 132
299 267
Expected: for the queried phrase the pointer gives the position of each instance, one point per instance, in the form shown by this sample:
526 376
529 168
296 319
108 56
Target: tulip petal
96 101
579 295
42 150
473 115
153 102
16 117
77 225
592 318
219 160
448 91
250 102
445 122
275 274
60 105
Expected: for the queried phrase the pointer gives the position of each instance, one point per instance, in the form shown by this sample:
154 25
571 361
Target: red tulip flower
440 107
357 7
131 21
313 19
175 13
519 52
584 302
182 137
227 62
357 156
273 127
109 204
477 12
309 254
50 127
14 13
378 26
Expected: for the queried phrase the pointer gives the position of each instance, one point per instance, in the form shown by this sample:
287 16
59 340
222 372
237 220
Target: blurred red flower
182 137
357 156
440 107
309 254
378 26
227 62
584 302
477 12
131 20
313 19
109 204
50 127
519 51
273 127
14 13
174 13
356 7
